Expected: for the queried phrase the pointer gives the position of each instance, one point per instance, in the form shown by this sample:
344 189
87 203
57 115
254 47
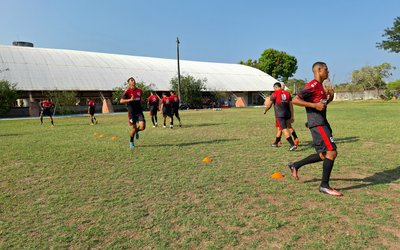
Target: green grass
64 187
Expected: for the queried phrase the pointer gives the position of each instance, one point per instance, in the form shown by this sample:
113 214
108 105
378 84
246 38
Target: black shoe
293 170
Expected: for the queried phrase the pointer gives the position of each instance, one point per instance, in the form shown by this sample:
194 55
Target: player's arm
125 99
330 93
268 105
300 102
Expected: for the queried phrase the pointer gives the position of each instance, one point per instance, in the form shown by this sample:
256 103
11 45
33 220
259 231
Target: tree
372 77
394 85
190 88
277 64
8 95
393 38
64 101
118 92
294 85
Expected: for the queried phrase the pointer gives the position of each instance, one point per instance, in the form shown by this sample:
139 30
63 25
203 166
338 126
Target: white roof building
40 69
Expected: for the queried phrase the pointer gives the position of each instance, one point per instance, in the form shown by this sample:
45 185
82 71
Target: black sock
326 172
294 135
41 119
277 140
92 120
155 118
290 140
152 120
131 139
308 160
52 123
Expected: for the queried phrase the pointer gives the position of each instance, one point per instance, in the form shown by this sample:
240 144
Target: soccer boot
293 170
330 191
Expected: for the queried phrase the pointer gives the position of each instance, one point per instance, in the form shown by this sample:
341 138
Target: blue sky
341 33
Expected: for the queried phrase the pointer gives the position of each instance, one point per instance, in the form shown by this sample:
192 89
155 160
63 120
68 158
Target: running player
175 106
46 109
132 97
92 110
283 114
166 107
153 104
315 99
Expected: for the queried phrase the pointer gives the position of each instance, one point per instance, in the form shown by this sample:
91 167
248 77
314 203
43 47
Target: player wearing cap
132 97
283 107
46 107
315 99
153 103
166 107
92 110
175 106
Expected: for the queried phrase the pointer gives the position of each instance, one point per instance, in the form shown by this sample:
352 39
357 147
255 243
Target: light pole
179 70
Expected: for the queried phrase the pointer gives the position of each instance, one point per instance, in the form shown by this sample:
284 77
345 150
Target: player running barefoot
92 110
166 107
283 114
175 106
315 99
153 104
132 97
46 109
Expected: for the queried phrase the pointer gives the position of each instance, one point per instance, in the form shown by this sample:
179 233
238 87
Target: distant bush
394 85
8 95
65 101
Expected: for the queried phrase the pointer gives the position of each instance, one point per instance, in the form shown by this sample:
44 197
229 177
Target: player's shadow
184 144
384 177
340 140
4 135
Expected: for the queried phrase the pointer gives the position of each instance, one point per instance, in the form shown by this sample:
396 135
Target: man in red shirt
175 106
153 104
132 97
46 109
315 99
283 114
166 107
92 110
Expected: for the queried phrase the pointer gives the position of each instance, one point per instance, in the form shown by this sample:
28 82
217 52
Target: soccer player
166 107
132 97
92 110
46 109
315 99
283 107
153 104
175 106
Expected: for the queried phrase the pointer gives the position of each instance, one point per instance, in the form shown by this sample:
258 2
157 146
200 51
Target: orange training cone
277 175
113 138
207 160
102 136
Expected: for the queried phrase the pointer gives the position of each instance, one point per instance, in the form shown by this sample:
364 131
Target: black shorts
47 112
167 112
92 110
322 138
281 122
175 111
153 110
134 118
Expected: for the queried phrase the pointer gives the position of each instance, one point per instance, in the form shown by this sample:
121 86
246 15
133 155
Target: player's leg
176 111
164 112
171 120
293 133
41 117
51 120
278 136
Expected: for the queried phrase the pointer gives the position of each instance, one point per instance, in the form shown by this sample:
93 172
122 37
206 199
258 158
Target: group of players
315 98
169 105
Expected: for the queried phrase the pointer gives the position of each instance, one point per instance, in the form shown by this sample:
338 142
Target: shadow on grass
4 135
384 177
184 144
308 144
200 125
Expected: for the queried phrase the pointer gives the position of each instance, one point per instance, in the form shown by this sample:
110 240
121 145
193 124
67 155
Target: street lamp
179 70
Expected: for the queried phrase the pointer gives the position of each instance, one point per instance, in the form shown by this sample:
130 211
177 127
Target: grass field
64 187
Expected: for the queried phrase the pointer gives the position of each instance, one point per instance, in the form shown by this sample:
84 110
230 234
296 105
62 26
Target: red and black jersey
154 101
134 106
166 101
175 100
281 100
92 103
314 92
46 104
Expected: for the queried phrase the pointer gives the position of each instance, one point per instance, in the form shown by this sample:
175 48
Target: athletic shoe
330 191
164 126
131 144
275 145
52 125
137 135
91 123
180 124
296 142
293 148
171 126
293 170
154 126
97 122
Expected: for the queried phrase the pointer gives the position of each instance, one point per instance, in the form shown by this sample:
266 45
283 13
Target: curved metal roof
36 69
